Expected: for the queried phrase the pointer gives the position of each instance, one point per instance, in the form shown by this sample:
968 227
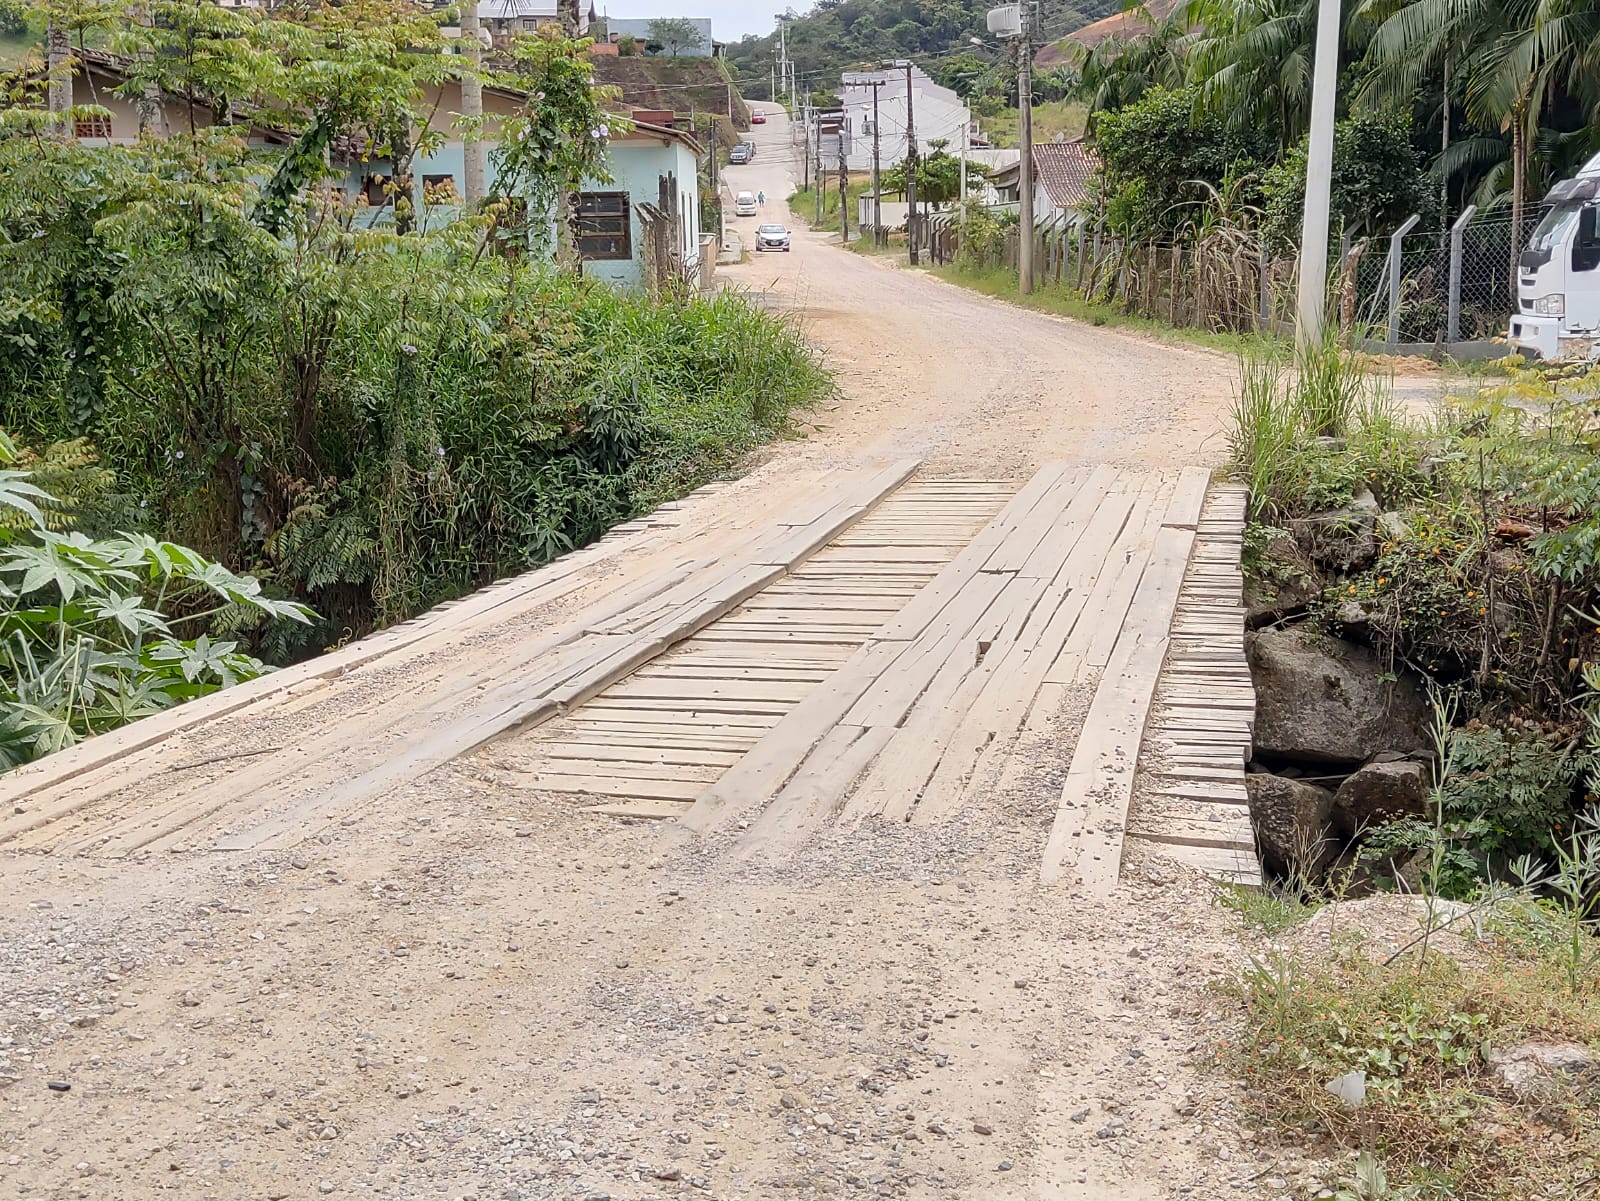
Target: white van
744 204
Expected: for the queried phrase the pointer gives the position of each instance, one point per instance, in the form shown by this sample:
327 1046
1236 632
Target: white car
772 237
744 204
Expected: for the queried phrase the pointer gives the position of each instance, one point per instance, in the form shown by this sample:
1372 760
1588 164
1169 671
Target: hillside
837 35
681 85
1120 24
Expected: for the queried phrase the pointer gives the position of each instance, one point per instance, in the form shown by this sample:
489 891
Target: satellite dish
1006 21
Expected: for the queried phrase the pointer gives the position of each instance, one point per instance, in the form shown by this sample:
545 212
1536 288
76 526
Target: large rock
1380 793
1538 1071
1324 700
1291 821
1343 539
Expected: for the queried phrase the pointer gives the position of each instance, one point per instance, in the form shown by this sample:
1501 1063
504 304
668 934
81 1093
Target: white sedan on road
772 237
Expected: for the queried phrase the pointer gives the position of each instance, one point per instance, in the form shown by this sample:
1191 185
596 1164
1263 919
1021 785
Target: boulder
1393 527
1268 602
1291 823
1541 1071
1380 793
1324 700
1342 539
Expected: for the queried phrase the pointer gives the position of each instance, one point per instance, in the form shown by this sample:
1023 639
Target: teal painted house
632 230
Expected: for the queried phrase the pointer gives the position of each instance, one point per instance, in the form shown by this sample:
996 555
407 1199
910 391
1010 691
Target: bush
1378 181
372 422
88 626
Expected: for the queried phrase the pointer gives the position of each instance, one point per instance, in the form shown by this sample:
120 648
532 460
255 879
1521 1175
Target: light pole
1313 295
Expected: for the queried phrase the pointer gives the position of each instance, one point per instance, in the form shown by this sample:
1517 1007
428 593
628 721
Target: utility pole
966 139
911 169
844 188
877 186
822 185
475 153
1025 175
1319 178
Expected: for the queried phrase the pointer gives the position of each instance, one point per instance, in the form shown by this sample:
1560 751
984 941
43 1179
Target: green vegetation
369 418
1051 120
95 629
1487 103
841 35
1435 1121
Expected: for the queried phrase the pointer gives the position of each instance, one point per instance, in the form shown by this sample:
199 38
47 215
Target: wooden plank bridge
874 645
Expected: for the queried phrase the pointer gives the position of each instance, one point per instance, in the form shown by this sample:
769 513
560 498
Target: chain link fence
1414 290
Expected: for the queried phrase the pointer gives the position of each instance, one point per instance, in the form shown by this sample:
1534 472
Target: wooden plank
605 785
762 773
1093 811
817 789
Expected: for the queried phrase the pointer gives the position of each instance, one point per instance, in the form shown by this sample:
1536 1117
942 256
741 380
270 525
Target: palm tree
1116 72
1251 60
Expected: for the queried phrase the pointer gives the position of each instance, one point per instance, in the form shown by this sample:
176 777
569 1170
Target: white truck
1558 275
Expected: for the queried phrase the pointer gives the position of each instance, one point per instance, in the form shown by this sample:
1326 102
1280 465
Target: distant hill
839 35
679 85
1118 24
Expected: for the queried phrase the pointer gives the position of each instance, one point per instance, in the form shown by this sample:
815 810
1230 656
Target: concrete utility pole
58 49
844 189
1025 175
1319 178
877 186
966 139
911 169
475 166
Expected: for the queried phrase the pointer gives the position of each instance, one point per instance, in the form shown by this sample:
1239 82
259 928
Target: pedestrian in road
761 198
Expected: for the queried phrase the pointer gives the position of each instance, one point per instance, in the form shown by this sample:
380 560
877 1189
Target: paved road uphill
844 830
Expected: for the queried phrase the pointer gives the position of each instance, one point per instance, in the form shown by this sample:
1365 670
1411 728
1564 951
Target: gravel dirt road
467 992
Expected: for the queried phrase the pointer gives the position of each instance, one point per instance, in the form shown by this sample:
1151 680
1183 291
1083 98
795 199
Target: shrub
89 627
374 422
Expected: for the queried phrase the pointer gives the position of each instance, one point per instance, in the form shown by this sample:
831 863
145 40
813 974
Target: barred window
604 231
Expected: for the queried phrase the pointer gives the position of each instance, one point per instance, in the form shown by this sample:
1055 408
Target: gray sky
730 19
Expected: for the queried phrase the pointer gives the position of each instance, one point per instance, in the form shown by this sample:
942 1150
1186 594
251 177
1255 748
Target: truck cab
1558 274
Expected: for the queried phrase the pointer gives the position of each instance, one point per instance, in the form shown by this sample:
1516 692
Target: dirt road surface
467 992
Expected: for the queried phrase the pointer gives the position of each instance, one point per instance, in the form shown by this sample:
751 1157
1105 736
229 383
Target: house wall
940 117
637 164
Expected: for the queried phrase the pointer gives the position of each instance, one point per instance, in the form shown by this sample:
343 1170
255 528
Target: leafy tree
938 176
674 34
1378 180
1157 156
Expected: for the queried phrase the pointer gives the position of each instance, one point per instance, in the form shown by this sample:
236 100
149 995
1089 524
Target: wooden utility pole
475 154
911 169
822 184
58 50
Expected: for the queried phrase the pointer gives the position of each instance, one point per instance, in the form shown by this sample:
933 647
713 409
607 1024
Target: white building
940 115
502 18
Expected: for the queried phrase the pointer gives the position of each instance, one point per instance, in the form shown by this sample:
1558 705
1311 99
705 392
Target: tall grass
1308 429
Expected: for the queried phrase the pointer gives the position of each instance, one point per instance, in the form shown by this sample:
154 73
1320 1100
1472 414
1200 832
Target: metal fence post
1394 276
1452 332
